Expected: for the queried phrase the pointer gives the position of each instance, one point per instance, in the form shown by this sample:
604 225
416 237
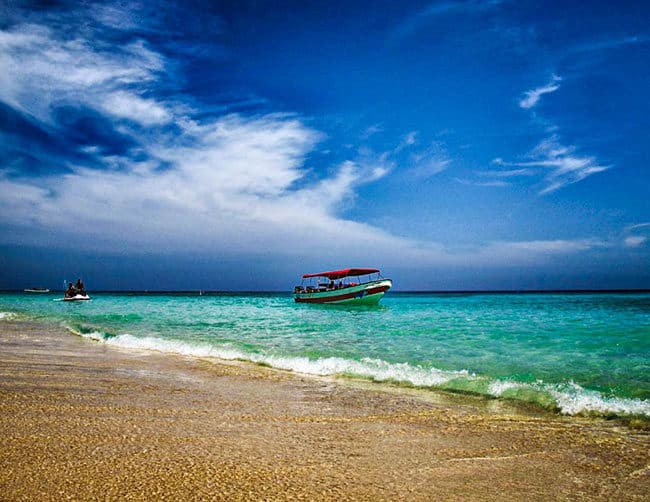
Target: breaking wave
567 398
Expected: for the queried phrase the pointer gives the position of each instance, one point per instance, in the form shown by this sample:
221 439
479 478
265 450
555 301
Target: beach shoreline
83 420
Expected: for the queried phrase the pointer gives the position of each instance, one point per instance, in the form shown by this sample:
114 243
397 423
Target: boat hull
368 293
76 298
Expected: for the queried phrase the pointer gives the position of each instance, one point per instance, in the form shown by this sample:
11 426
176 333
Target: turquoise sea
573 353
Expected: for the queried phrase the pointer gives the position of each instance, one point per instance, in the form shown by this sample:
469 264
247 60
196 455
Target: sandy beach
80 420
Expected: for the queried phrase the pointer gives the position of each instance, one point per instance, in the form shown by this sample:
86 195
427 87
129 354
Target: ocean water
572 353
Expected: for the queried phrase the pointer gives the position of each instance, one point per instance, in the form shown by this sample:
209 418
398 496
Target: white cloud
426 162
422 18
229 188
195 208
131 106
407 142
611 43
635 240
554 246
508 173
532 97
638 226
40 70
410 138
563 166
122 17
229 184
496 178
490 183
372 130
429 167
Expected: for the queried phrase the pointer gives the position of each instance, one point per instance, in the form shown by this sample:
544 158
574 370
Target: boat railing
320 287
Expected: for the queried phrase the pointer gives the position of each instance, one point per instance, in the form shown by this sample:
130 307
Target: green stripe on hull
366 300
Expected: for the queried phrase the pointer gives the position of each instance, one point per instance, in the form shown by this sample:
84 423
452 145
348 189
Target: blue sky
215 145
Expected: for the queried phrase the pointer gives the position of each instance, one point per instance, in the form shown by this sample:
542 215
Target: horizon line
405 291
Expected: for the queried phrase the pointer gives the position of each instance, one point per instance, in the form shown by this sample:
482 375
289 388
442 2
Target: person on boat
81 290
71 291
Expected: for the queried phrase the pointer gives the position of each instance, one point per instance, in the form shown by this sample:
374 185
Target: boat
75 292
337 288
36 290
76 298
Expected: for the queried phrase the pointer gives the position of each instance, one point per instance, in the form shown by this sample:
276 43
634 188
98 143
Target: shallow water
577 353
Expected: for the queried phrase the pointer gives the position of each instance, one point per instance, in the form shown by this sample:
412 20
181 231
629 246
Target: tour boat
336 287
36 290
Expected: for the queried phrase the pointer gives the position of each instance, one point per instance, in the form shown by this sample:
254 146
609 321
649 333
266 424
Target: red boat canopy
340 274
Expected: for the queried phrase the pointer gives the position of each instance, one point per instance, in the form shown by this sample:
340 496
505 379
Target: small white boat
76 298
340 291
36 290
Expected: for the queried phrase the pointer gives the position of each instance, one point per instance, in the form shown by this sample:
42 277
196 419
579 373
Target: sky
455 145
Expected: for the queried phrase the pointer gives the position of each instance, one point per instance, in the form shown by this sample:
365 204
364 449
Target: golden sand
79 420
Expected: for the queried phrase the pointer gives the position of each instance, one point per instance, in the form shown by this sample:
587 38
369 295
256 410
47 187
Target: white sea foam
128 341
7 316
375 369
573 399
570 398
498 387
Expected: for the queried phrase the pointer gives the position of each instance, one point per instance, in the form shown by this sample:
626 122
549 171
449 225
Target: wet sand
81 420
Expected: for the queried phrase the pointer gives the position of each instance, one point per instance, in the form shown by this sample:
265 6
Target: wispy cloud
409 140
637 235
418 20
371 131
563 166
131 106
414 159
508 173
532 97
635 240
425 168
496 177
206 182
479 183
422 162
227 186
638 226
555 246
610 43
39 70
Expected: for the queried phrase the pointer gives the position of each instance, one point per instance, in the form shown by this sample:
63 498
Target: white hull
76 298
